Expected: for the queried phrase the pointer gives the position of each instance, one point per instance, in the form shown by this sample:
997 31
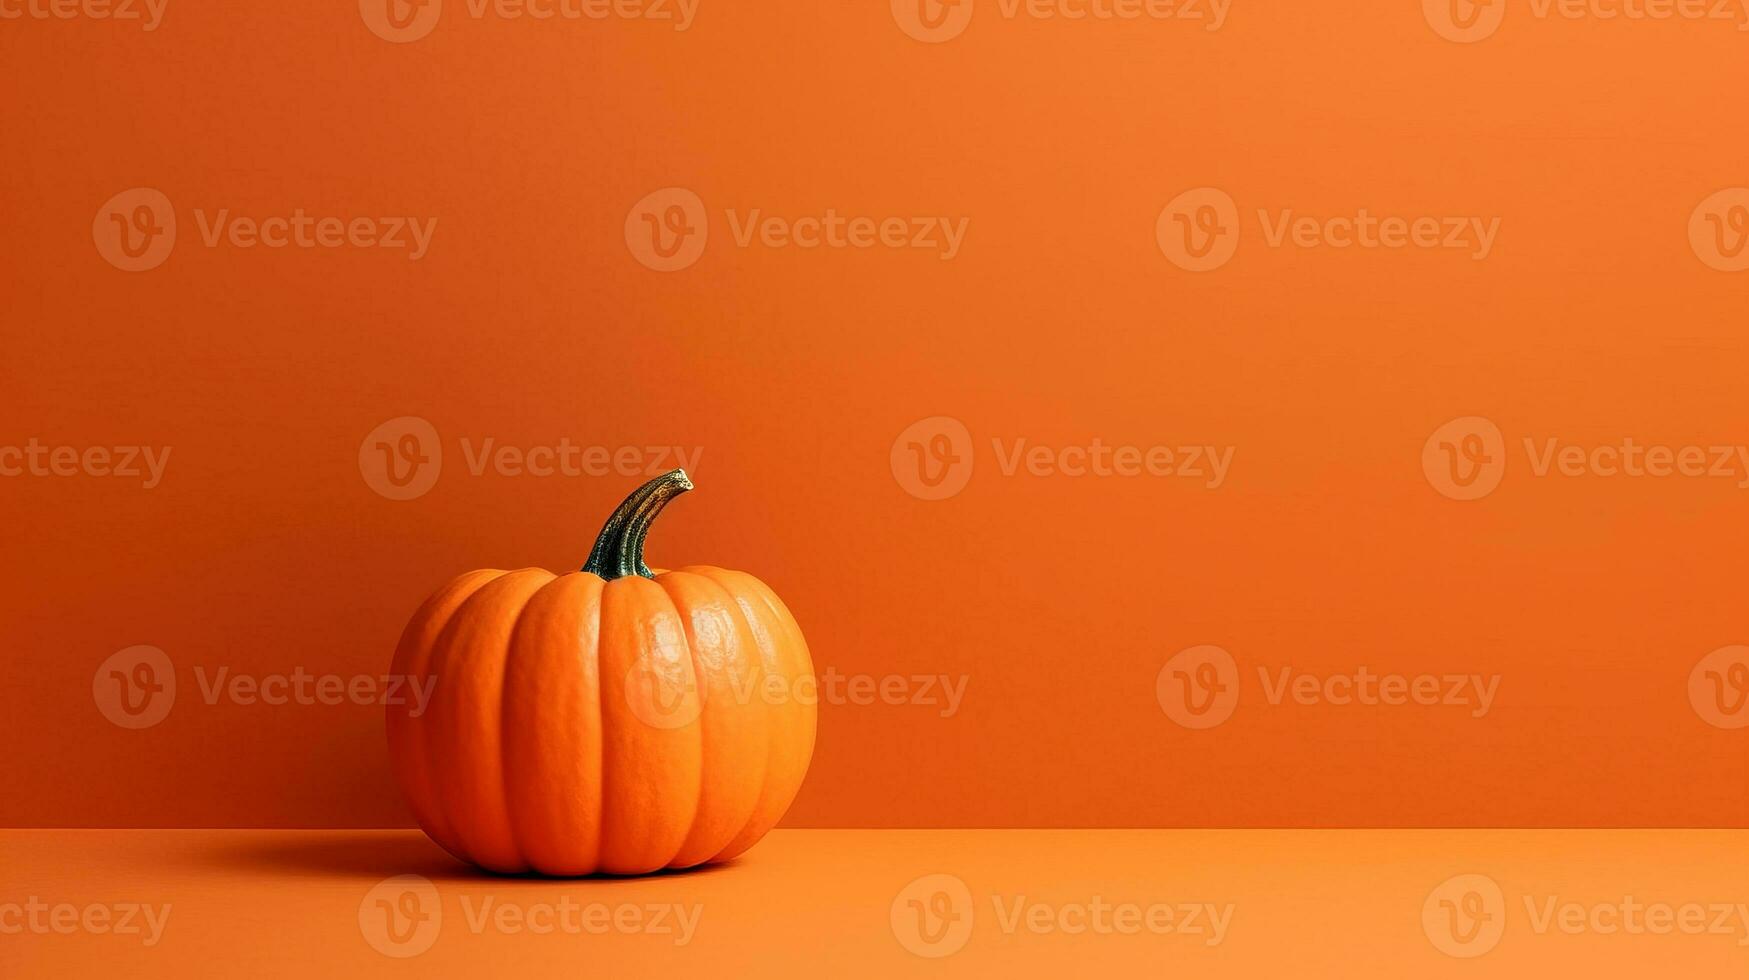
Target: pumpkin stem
619 549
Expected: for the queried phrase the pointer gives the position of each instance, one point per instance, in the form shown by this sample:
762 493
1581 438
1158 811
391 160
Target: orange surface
297 521
897 903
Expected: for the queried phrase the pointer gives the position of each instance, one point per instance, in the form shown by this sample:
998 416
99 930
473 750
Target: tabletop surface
272 903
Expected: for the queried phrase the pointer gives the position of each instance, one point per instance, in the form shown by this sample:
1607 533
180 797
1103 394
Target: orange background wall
1062 319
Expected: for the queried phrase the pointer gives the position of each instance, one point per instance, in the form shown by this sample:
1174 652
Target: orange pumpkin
612 720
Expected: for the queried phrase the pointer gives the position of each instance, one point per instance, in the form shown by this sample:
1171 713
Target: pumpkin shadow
371 855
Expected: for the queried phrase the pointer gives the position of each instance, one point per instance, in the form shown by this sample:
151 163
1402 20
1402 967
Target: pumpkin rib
593 656
650 773
468 715
770 715
732 727
792 724
407 734
552 726
761 637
